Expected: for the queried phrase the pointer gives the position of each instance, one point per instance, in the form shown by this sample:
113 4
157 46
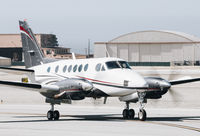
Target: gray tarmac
30 120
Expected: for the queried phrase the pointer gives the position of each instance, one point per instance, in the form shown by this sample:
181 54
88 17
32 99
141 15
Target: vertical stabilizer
33 56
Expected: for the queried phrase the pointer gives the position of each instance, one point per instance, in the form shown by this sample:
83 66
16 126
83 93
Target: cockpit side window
112 65
124 64
103 68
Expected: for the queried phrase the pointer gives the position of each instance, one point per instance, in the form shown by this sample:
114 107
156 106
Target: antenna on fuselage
107 53
73 56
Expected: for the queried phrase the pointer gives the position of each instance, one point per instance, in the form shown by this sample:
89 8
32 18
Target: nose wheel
142 115
53 115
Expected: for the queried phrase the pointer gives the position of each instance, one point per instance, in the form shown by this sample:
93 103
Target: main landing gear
53 115
130 113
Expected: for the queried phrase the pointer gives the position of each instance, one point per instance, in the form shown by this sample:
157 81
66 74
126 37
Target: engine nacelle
73 89
161 86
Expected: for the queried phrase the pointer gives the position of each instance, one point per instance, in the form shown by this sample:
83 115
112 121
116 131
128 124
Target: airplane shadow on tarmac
104 117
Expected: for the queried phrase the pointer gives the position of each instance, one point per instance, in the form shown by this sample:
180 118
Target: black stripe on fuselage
124 87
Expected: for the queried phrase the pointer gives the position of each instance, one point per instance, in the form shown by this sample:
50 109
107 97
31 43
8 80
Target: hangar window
70 68
112 65
98 67
56 70
75 68
48 69
80 68
65 68
86 67
124 64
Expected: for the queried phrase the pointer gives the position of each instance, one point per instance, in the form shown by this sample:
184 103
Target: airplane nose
140 82
143 83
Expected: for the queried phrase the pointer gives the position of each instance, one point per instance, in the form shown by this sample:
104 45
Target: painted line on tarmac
178 126
175 125
169 124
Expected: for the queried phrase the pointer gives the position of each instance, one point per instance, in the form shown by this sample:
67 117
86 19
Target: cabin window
70 68
86 67
103 68
48 69
80 68
75 68
65 68
56 70
112 65
98 67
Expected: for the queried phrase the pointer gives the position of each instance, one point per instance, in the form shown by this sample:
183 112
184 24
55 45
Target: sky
76 21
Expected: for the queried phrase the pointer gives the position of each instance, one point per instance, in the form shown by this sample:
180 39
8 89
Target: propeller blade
173 94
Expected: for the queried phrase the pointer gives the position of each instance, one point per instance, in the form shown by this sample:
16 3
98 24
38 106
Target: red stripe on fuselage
22 29
99 80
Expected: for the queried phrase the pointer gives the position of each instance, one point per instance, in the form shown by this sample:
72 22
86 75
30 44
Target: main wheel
131 113
50 115
142 115
125 113
56 115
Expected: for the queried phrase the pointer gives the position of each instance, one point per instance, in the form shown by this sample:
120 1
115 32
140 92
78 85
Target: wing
183 81
29 86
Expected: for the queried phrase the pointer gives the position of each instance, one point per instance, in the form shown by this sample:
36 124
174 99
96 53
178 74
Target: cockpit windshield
112 65
117 64
124 64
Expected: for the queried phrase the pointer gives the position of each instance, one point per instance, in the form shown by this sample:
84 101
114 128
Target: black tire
50 115
125 113
131 113
142 115
56 115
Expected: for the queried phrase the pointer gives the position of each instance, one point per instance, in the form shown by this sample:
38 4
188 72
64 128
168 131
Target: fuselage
113 76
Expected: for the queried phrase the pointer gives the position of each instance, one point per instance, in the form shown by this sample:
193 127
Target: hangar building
152 48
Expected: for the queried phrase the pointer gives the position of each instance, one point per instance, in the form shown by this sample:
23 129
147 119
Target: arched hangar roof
154 36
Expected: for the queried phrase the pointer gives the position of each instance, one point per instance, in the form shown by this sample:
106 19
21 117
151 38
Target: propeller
171 90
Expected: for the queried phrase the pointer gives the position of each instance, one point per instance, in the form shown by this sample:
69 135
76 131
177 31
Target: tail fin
33 56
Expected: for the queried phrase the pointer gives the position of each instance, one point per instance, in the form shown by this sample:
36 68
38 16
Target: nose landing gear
142 115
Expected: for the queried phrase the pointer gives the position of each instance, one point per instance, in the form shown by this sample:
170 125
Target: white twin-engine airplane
62 81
